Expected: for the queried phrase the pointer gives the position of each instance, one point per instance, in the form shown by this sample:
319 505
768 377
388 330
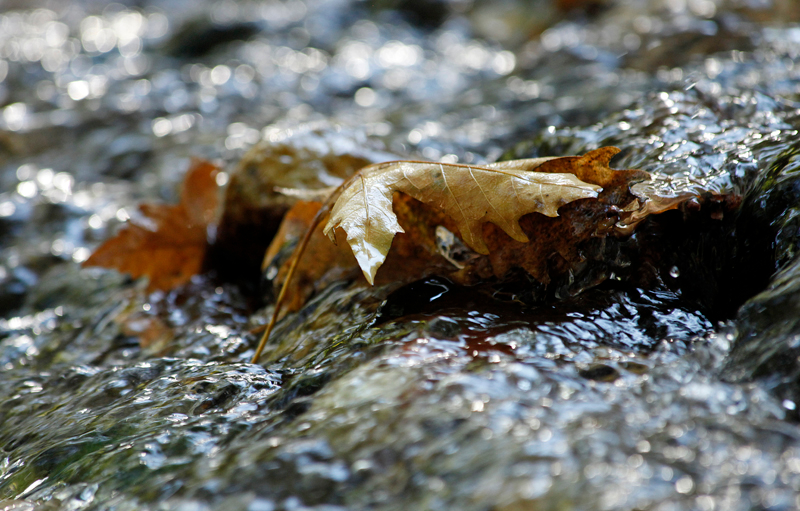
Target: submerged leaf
471 195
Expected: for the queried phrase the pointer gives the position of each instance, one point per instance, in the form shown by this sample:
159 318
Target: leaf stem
298 252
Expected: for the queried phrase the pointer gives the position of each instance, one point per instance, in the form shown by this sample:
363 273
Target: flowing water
678 391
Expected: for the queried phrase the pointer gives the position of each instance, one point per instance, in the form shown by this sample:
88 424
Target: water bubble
63 181
674 272
95 222
396 53
15 115
504 62
415 136
157 25
45 178
244 73
81 254
58 247
220 75
161 127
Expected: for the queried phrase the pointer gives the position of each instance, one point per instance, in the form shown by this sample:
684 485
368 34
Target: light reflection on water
99 110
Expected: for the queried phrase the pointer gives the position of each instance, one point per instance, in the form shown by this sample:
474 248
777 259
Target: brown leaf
490 208
412 256
416 251
558 245
253 209
471 195
581 240
173 250
558 249
323 262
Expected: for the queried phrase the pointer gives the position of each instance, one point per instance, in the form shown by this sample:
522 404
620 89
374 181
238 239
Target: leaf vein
452 194
488 201
366 205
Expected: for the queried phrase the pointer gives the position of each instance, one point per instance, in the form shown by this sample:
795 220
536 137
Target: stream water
678 395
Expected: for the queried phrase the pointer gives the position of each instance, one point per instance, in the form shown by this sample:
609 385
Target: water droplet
684 484
674 272
27 189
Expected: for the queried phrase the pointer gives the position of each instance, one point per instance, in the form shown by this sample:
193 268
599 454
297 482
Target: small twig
298 252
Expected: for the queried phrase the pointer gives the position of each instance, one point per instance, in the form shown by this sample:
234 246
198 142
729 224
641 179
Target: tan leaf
472 195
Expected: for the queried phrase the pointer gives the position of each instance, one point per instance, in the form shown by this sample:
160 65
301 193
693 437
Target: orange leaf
173 250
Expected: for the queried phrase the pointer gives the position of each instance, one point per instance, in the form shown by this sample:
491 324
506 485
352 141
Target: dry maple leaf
492 214
560 242
471 195
174 250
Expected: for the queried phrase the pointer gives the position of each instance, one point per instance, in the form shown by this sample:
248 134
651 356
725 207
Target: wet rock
200 36
765 347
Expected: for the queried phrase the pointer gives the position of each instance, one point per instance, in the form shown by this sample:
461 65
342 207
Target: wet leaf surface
469 195
171 247
585 244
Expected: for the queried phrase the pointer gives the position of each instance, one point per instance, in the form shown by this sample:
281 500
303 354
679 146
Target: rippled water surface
672 384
